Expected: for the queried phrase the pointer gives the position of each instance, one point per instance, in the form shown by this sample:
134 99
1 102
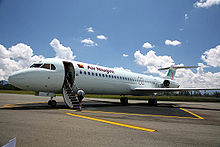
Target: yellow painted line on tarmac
132 114
16 101
17 104
199 117
8 106
111 122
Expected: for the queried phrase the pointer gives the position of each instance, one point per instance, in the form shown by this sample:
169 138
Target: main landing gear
52 103
124 100
153 101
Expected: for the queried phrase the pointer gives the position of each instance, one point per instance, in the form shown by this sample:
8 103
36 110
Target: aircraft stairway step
69 97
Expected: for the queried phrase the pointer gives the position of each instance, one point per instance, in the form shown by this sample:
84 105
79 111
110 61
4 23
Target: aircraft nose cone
17 79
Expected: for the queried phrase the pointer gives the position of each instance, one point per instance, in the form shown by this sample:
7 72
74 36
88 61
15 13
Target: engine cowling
170 84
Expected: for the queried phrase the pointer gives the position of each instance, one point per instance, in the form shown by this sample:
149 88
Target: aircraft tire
155 102
152 102
49 102
124 100
53 103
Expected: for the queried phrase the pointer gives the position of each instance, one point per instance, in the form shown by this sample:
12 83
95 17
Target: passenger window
53 67
46 66
80 72
103 75
92 74
88 73
84 73
96 74
100 75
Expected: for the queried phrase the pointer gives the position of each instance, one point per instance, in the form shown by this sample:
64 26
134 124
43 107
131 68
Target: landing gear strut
52 103
152 101
124 100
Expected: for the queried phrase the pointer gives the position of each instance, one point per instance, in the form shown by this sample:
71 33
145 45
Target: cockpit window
47 66
53 67
35 65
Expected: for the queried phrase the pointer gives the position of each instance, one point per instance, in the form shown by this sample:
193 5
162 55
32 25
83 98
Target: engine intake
170 84
166 83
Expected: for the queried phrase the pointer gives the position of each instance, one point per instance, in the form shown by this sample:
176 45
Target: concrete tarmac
105 122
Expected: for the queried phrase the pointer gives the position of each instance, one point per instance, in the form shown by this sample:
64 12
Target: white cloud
102 37
121 68
21 56
114 8
88 42
16 58
125 55
173 43
206 3
188 78
90 29
152 62
151 59
186 16
185 77
61 51
212 56
147 45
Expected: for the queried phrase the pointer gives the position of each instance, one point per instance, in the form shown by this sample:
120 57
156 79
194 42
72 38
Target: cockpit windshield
46 66
35 65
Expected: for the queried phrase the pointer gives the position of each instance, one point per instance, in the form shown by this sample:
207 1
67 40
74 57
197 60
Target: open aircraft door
69 88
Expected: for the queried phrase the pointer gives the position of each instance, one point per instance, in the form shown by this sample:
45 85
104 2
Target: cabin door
69 73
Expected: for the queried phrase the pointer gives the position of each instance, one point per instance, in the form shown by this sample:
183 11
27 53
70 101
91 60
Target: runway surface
105 122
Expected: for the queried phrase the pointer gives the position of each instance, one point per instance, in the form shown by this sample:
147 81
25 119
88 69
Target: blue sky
127 25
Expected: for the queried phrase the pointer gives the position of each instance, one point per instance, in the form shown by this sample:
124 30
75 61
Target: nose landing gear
124 100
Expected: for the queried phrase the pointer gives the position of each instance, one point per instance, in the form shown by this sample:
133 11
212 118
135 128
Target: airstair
69 96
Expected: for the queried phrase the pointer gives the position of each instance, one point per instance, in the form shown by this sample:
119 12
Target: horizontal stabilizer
172 70
178 67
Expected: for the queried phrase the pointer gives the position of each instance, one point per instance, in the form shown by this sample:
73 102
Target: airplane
53 75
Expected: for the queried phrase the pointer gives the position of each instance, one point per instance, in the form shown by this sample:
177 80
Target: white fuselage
97 80
93 79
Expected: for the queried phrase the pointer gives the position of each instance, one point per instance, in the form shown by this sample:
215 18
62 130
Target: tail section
172 70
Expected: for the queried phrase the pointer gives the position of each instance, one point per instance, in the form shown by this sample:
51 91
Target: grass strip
159 98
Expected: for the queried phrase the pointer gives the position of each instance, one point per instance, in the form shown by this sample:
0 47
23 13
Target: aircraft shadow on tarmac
163 108
88 104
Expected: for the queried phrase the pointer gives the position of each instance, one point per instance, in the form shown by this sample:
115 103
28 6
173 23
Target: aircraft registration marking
111 122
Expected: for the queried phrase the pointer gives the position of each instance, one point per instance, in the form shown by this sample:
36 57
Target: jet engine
170 84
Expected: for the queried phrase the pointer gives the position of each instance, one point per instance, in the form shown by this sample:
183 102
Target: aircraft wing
171 89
